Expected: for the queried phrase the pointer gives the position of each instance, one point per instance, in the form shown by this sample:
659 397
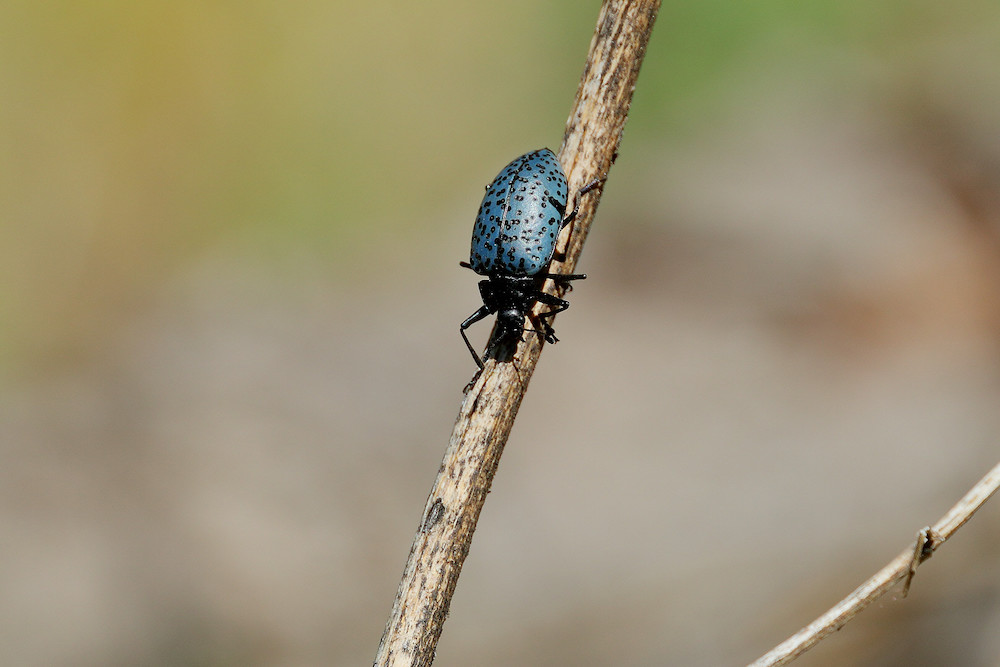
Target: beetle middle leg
563 279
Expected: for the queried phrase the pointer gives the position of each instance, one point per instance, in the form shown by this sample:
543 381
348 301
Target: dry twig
902 568
590 143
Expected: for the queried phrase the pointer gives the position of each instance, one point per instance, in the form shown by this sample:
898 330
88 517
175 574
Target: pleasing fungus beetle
513 241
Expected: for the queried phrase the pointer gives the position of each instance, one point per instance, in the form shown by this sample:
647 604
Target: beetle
513 241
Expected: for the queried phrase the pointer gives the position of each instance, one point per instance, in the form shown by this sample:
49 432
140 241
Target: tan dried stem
590 144
900 569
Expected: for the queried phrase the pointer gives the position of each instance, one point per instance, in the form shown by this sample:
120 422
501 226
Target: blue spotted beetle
513 242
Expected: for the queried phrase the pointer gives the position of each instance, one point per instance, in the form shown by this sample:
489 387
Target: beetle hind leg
594 184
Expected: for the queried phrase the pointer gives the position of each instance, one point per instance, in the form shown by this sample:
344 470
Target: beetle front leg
558 305
472 319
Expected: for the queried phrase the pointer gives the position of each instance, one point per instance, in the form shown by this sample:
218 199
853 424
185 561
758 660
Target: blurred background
230 361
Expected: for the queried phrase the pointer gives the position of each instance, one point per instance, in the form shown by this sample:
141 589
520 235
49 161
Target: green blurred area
137 136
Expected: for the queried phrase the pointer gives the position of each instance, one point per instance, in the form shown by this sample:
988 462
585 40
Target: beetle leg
576 207
472 319
565 277
558 305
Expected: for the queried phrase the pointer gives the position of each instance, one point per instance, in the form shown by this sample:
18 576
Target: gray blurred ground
785 362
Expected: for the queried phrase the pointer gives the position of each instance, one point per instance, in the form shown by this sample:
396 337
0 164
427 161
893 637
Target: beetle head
510 323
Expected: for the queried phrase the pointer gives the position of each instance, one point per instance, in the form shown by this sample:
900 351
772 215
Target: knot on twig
928 540
433 516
